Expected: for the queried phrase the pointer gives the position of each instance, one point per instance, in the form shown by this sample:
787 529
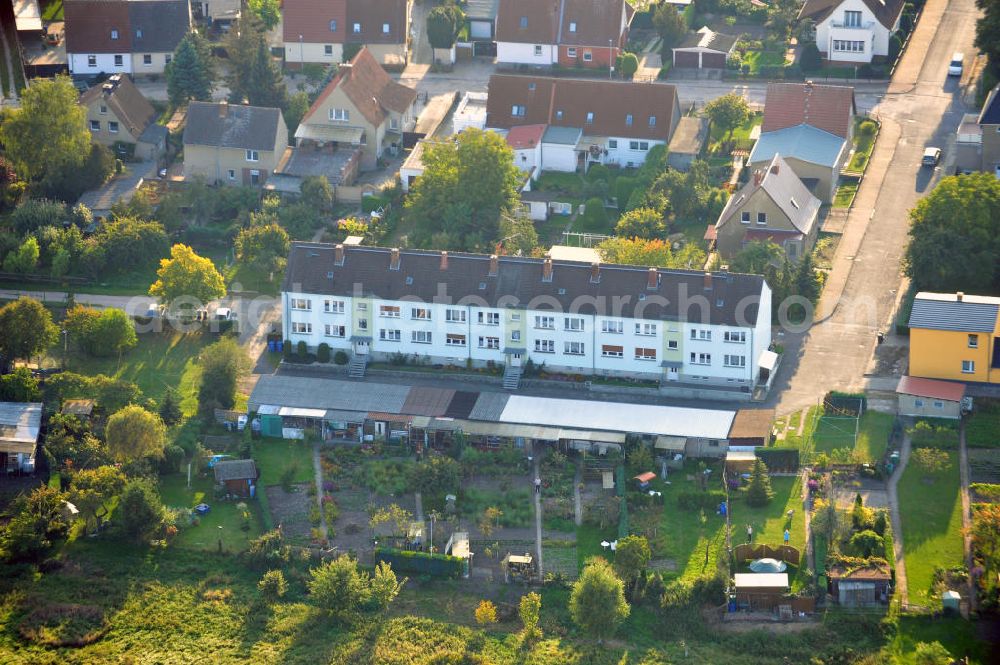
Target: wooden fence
786 553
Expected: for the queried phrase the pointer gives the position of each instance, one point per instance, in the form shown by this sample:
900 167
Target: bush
272 586
302 350
628 65
405 561
323 353
895 46
172 458
701 500
810 60
867 129
599 172
594 216
286 349
340 358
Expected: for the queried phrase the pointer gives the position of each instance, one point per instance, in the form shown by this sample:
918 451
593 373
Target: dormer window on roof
628 119
114 34
572 26
524 22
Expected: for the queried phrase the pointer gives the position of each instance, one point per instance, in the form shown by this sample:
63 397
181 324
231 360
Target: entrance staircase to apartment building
356 368
511 378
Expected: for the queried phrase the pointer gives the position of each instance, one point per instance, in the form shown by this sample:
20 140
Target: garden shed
238 476
740 461
760 591
751 427
930 397
859 587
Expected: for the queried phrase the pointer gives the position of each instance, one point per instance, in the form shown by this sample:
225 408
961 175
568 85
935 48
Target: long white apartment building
573 317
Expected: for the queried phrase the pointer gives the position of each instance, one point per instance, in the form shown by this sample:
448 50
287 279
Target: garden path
897 522
963 473
538 514
806 514
318 473
577 501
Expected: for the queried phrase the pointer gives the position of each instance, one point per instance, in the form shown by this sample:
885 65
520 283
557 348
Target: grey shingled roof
237 126
518 282
708 39
786 190
162 25
943 311
489 407
312 393
990 114
237 469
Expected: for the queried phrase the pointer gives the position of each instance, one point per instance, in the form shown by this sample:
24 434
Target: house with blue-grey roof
774 206
954 336
989 125
811 126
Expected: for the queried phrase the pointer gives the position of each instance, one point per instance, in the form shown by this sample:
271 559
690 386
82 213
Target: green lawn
571 183
932 526
160 361
759 59
863 146
769 522
52 10
837 433
847 189
982 429
716 134
206 535
792 438
273 456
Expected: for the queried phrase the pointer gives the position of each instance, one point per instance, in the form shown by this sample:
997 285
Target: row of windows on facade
848 46
147 59
571 52
541 322
520 110
541 345
356 27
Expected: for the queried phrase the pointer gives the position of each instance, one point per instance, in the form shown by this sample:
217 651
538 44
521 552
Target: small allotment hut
760 591
239 476
930 397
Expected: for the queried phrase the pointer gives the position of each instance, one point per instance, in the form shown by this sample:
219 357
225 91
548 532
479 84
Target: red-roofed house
361 107
570 33
526 141
930 397
318 30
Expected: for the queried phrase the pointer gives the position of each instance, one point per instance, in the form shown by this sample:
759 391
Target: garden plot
290 510
984 465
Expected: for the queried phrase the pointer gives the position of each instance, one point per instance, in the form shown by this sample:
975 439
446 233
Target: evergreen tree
190 72
806 284
254 77
170 408
759 491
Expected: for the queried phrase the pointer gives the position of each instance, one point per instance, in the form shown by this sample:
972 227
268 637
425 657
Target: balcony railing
864 26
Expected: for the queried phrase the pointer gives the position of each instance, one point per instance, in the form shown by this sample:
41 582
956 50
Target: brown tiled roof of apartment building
619 108
826 107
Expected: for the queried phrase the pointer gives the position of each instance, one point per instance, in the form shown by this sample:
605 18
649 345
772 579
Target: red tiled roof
525 136
711 233
564 102
541 21
596 21
826 107
931 388
312 20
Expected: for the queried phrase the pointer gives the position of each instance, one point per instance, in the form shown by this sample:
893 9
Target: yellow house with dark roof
955 336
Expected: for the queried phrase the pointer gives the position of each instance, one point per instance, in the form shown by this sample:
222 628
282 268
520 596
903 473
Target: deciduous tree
223 365
141 509
267 11
467 185
37 523
671 25
185 275
339 587
597 601
932 460
728 112
26 329
385 586
93 488
134 433
263 247
530 610
486 613
955 236
272 586
645 223
24 259
631 558
48 135
443 25
988 32
19 386
651 253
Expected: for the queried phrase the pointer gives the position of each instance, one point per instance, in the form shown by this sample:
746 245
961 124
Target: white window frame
745 217
488 318
488 342
333 25
612 327
572 26
339 115
574 324
390 335
645 329
545 322
357 28
335 330
538 50
454 316
95 125
91 60
545 346
114 34
588 56
973 341
333 306
645 353
113 126
421 337
147 59
420 313
301 328
232 174
327 49
571 52
968 367
453 339
119 60
734 360
518 110
761 219
301 304
606 353
735 336
386 29
253 156
574 349
389 311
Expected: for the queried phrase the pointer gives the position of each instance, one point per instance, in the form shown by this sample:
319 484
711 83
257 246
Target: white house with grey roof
230 144
688 327
20 424
774 206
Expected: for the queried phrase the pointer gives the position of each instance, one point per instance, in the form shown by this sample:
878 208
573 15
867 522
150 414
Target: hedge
405 561
701 500
779 459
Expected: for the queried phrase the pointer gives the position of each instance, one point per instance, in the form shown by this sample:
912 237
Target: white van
955 66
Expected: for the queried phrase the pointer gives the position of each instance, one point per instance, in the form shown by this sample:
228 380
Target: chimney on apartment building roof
547 270
338 255
708 280
444 260
394 258
758 177
652 279
959 296
223 109
595 272
774 168
494 265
